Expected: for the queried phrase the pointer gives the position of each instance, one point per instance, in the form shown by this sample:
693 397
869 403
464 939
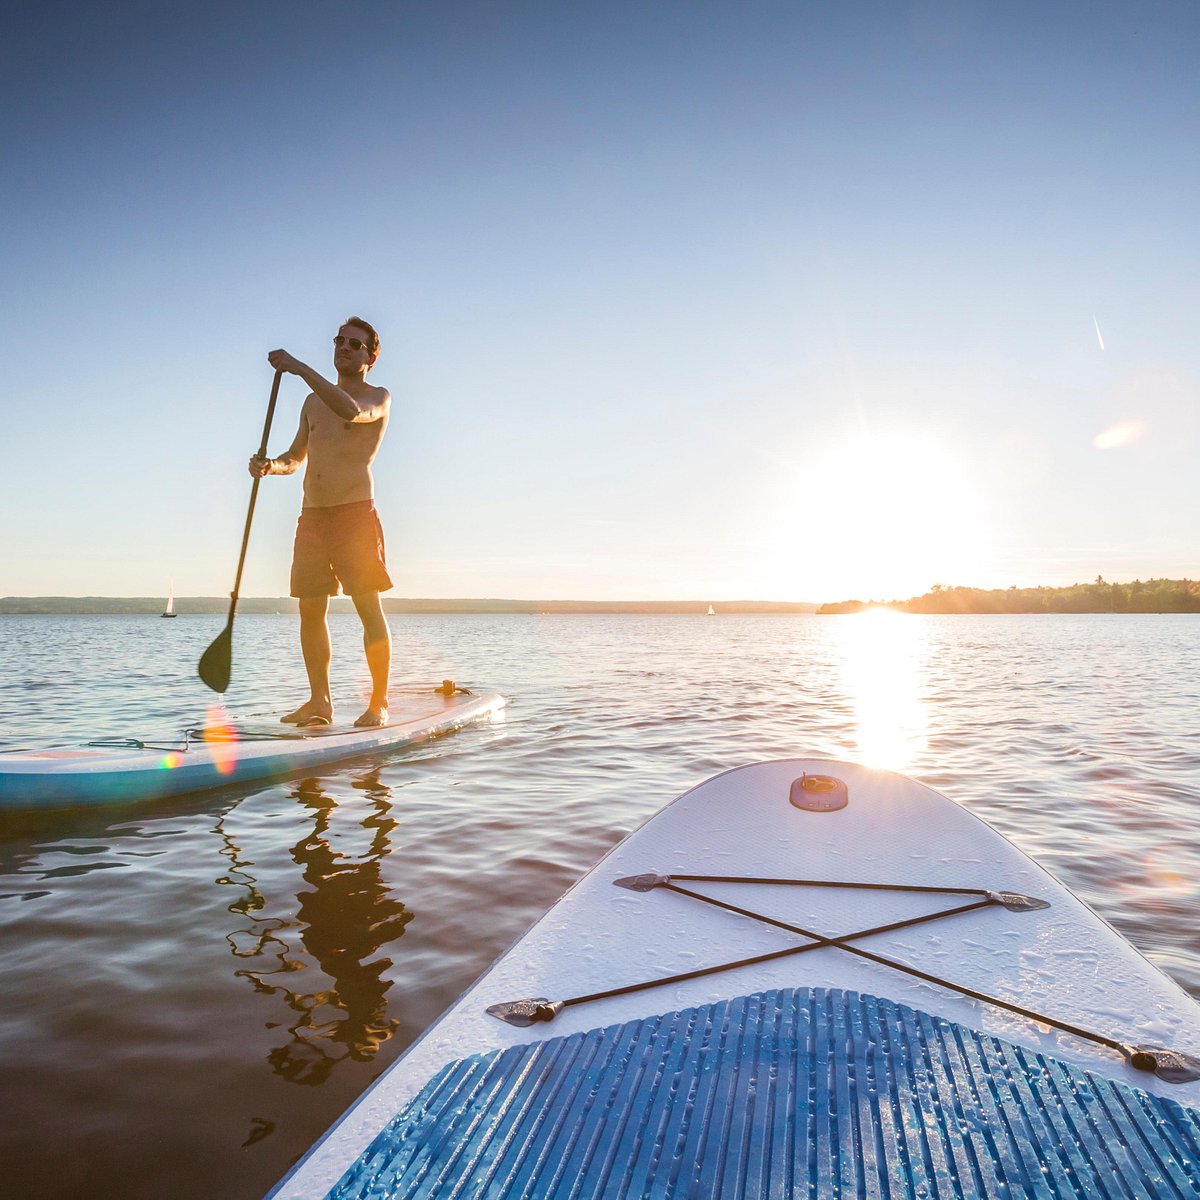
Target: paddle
216 662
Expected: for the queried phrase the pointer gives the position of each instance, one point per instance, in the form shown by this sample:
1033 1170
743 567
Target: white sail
169 611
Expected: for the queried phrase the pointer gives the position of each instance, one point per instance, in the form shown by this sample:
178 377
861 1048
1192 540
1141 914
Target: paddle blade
216 662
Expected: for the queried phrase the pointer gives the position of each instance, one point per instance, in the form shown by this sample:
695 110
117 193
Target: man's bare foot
375 716
312 713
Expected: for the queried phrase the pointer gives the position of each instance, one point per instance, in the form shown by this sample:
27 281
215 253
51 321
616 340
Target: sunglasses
353 343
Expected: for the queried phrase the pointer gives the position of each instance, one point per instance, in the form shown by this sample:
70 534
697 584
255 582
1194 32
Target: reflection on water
882 668
344 916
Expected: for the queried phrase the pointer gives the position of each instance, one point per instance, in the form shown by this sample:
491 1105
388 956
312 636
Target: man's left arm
359 410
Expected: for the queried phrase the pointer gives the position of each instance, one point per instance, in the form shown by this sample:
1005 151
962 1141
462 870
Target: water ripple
204 1012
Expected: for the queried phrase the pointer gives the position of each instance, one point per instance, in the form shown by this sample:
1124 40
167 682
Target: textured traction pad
804 1092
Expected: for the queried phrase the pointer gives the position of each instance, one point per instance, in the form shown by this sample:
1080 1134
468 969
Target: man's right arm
290 460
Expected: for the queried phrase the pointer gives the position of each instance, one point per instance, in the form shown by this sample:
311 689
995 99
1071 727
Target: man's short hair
372 338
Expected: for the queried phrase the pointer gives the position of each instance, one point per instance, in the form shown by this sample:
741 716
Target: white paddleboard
820 1072
123 771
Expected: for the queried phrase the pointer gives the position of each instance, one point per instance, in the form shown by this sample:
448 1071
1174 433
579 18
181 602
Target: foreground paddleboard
812 1072
122 771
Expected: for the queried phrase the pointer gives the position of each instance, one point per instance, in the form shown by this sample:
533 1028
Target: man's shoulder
378 399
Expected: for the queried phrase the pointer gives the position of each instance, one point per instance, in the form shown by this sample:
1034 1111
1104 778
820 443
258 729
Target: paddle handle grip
262 453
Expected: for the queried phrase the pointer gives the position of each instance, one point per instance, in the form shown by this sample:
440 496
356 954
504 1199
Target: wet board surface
122 772
814 1073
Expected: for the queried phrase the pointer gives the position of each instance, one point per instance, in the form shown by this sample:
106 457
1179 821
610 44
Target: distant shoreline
1138 596
206 605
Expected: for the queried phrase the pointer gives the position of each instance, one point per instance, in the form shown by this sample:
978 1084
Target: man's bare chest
329 433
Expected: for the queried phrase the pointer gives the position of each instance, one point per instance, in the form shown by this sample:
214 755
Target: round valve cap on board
819 793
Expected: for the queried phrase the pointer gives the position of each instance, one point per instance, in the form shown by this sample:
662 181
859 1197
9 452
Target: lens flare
1161 869
1123 433
220 737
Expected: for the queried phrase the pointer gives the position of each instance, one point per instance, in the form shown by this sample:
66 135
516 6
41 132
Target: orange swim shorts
341 544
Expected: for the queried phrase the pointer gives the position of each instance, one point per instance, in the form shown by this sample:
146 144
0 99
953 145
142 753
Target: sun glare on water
882 669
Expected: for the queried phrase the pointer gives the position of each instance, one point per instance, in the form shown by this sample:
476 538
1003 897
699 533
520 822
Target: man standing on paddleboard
338 539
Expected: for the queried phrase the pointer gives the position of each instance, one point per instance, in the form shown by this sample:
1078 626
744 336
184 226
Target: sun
880 517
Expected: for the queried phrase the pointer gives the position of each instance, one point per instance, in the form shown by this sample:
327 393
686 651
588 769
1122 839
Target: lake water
195 989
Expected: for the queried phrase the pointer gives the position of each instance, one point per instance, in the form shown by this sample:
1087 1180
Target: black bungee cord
1170 1065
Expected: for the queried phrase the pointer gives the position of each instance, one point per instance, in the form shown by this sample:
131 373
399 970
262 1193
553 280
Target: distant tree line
1140 596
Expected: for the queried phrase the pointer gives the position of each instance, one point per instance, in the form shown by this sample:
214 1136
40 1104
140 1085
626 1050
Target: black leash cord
840 943
1173 1066
830 883
819 944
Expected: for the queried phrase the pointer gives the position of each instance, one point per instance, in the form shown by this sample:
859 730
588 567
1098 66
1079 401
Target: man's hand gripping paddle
216 662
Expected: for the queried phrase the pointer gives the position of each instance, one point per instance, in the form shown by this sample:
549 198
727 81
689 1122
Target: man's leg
314 644
377 641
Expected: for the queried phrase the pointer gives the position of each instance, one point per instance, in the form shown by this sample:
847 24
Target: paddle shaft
262 453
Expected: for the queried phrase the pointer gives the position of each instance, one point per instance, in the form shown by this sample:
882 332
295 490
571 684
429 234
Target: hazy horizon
220 603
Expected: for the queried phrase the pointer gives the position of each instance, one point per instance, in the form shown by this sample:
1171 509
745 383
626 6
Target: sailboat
169 611
712 612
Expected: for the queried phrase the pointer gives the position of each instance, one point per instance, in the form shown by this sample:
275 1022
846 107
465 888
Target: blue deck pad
804 1092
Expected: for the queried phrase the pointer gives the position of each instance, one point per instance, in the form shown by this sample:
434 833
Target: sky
780 301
